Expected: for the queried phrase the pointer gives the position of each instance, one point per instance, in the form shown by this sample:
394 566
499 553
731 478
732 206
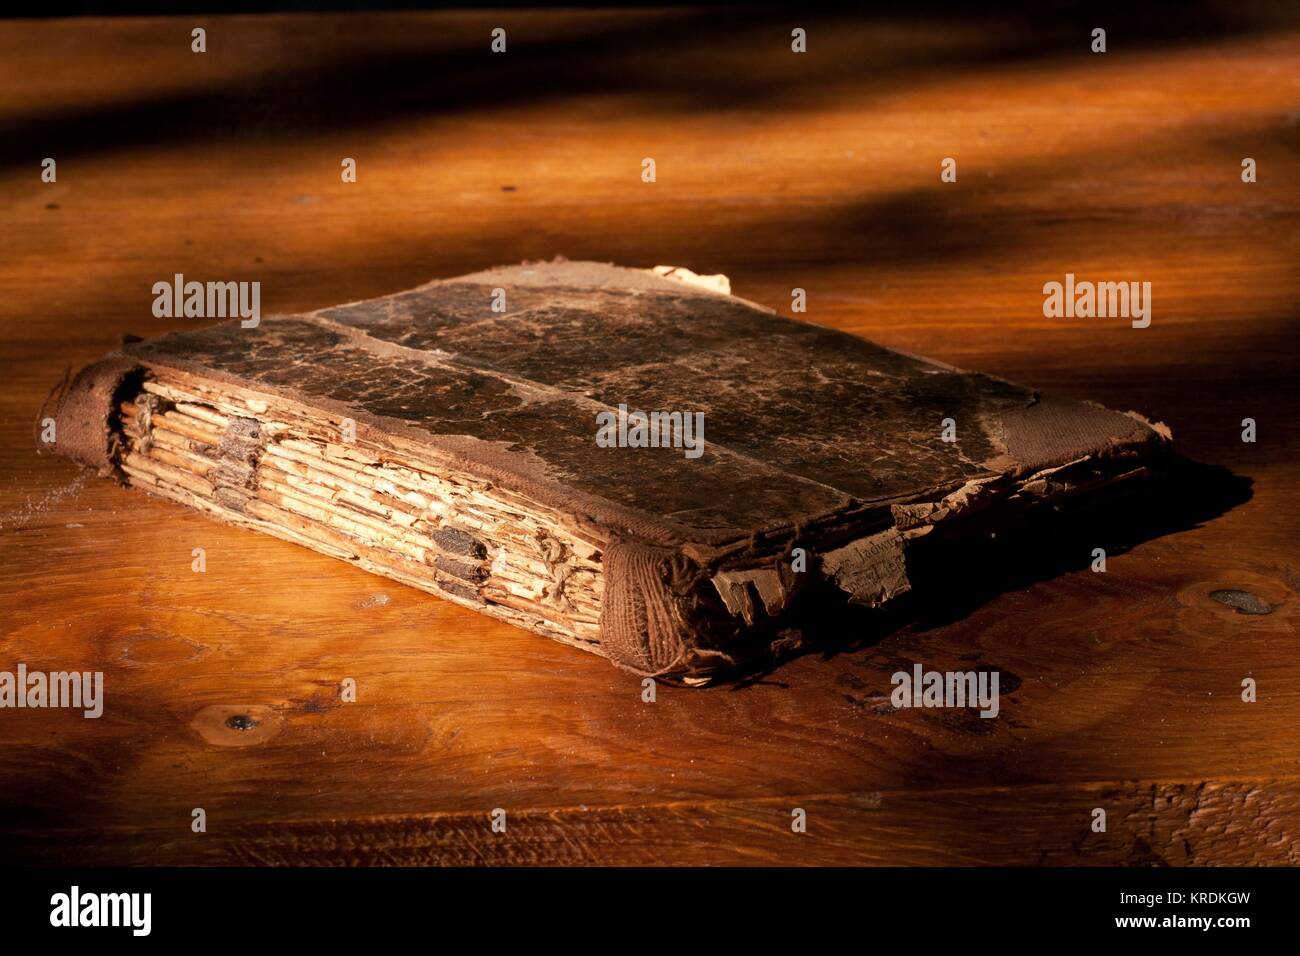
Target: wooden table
782 170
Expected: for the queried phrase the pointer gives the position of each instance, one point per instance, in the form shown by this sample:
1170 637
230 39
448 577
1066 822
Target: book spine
84 412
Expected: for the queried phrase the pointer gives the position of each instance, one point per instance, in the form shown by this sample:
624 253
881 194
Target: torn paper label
871 570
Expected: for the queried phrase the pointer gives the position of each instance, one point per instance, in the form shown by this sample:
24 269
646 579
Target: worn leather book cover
632 462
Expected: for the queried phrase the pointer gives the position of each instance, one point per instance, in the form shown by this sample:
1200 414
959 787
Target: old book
635 463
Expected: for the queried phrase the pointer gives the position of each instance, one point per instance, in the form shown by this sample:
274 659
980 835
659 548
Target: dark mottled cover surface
800 420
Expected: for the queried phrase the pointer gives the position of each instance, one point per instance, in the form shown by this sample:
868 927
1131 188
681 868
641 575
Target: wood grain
818 171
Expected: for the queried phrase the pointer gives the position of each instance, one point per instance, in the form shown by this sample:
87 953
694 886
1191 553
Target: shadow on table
954 575
670 59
